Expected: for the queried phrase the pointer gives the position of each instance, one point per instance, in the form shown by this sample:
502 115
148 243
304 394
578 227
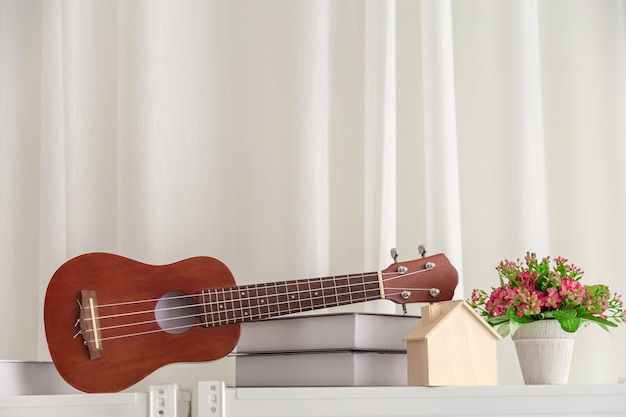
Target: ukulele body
129 352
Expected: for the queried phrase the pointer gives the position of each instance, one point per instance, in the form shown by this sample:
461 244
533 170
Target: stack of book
343 349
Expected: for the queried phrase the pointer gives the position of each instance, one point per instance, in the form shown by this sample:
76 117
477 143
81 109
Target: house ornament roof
434 315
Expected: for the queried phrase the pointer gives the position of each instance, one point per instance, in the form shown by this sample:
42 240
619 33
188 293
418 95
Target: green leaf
497 320
510 313
504 329
513 326
565 313
598 320
596 290
569 320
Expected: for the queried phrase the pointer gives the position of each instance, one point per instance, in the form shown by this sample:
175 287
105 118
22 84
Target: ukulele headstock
427 280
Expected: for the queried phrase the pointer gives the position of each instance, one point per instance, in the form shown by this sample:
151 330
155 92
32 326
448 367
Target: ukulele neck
237 304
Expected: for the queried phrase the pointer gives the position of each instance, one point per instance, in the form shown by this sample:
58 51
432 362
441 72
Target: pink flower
552 298
497 303
572 291
526 301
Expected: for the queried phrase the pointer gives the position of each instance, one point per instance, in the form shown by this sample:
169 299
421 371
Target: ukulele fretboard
237 304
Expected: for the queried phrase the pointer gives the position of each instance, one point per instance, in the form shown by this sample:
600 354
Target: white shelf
213 399
539 401
75 405
160 401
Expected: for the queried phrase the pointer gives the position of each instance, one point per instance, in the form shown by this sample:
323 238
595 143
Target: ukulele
110 321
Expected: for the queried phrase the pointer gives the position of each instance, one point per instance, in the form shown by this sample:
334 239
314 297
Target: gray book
322 368
340 331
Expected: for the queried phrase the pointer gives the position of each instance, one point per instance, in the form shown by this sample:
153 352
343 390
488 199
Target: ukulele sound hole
175 312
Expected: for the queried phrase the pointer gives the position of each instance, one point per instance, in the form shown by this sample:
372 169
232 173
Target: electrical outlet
163 400
210 398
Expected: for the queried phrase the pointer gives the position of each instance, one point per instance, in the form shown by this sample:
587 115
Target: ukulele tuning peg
422 250
394 254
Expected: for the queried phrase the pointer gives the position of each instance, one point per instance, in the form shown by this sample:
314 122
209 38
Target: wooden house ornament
451 345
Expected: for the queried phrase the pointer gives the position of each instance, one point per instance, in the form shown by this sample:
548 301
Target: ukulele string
221 312
226 290
151 300
218 322
258 306
231 289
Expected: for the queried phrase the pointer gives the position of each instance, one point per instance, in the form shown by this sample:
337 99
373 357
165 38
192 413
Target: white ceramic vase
544 351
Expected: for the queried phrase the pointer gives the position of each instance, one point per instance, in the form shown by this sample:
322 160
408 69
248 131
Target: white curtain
298 139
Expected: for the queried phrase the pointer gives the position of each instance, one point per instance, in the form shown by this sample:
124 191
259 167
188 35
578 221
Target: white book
341 368
32 378
347 331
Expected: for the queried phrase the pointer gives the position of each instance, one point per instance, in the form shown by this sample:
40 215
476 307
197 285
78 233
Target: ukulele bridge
90 324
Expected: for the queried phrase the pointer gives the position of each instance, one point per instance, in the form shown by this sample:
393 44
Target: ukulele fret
236 305
255 303
344 294
264 305
244 309
317 301
227 305
212 308
329 293
242 312
206 309
279 298
274 294
204 315
295 305
303 288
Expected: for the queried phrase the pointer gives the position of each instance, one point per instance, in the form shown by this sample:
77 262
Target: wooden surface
451 346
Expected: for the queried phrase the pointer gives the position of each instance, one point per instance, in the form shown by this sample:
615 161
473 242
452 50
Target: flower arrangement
534 289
